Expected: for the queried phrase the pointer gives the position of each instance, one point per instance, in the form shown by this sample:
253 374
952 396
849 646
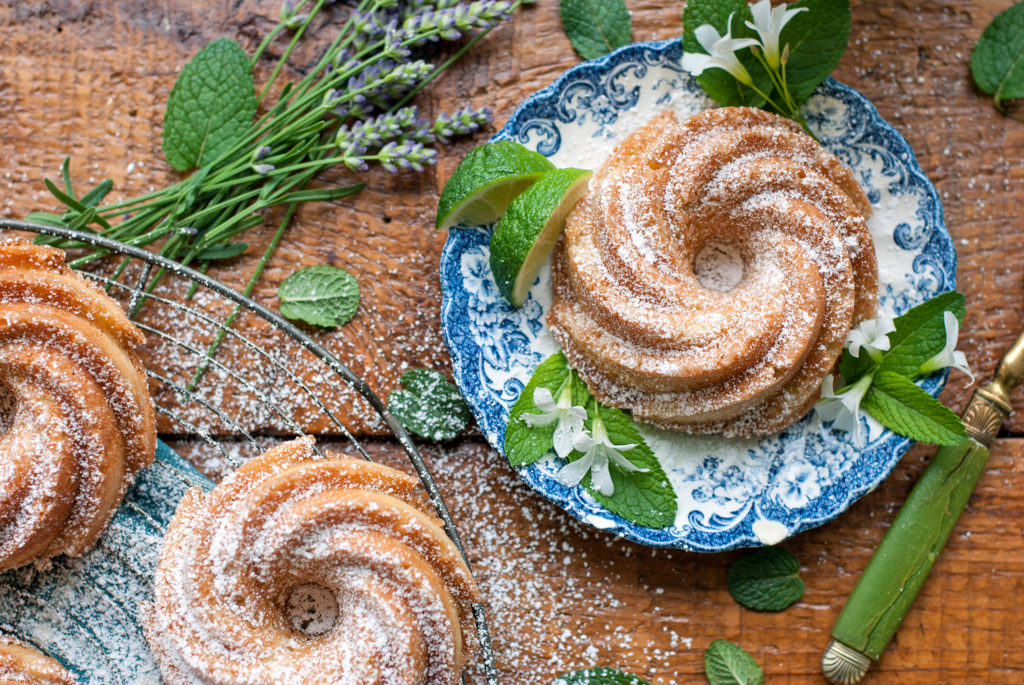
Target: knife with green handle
905 556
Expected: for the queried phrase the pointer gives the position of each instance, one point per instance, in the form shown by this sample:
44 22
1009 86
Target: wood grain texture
90 78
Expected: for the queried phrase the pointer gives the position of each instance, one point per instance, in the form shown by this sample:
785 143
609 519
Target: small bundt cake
21 664
740 349
76 419
398 594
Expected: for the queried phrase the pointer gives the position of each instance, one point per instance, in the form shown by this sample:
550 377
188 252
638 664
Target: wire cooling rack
266 380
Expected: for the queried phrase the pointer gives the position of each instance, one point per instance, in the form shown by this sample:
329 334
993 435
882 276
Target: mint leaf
719 84
728 664
596 27
920 334
817 40
210 107
599 675
430 405
904 408
997 63
766 579
645 498
525 444
321 295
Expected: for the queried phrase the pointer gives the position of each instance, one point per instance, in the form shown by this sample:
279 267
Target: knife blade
900 565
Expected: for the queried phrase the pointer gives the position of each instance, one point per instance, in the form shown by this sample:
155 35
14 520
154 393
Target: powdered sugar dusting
77 419
749 355
237 563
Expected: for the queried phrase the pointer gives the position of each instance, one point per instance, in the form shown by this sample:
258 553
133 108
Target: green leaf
920 334
728 664
222 251
525 444
904 408
322 295
596 27
96 195
599 675
817 40
997 63
46 218
719 84
766 579
430 406
645 498
210 107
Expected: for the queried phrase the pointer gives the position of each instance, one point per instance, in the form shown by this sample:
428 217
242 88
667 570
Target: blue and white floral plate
731 492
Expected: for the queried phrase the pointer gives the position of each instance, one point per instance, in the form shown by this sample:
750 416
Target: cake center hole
312 609
718 266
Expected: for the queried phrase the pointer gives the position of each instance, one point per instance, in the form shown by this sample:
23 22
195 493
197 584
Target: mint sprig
997 63
211 106
767 579
904 408
817 40
525 444
919 335
726 663
322 295
761 56
719 84
881 381
599 675
430 405
643 496
596 27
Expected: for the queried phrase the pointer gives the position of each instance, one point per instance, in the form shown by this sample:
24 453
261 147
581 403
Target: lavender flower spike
463 121
406 155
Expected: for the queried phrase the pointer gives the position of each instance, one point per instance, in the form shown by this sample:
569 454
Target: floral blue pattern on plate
732 493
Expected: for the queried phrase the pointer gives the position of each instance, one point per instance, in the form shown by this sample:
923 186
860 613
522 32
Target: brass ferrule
843 665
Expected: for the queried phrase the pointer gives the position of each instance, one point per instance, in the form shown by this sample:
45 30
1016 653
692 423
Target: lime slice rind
525 236
486 181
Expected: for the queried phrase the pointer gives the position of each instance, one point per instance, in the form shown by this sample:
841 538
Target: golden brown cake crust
232 558
77 419
22 664
643 330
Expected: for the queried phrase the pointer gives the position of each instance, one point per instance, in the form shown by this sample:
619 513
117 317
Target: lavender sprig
349 110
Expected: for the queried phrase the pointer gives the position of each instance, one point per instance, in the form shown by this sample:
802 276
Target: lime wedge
486 181
524 237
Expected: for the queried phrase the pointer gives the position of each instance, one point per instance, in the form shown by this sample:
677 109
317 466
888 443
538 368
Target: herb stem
288 51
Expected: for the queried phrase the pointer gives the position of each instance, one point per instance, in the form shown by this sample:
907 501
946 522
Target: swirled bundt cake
399 593
651 329
21 664
76 419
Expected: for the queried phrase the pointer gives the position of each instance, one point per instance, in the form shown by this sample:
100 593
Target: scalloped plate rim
895 446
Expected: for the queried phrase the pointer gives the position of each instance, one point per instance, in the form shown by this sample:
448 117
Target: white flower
871 335
949 356
721 52
768 23
570 418
842 407
598 451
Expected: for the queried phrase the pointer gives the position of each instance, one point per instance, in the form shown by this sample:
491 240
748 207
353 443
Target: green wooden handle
903 559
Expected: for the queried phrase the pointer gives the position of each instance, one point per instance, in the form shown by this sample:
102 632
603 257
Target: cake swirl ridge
649 332
234 558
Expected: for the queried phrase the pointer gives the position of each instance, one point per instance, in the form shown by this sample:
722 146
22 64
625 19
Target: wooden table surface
90 78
